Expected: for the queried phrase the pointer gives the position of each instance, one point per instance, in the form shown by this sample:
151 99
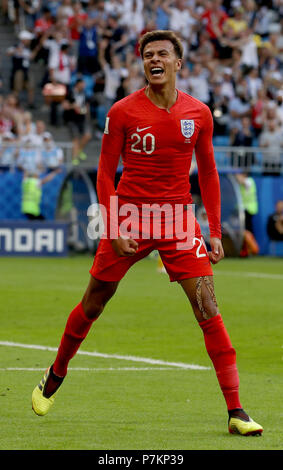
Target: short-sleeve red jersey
156 147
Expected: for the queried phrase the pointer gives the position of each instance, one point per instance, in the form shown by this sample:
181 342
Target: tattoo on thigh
199 297
209 285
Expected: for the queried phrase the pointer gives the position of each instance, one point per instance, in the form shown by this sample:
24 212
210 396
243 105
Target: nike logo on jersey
143 128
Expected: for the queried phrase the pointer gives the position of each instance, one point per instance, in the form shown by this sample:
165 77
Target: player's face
160 62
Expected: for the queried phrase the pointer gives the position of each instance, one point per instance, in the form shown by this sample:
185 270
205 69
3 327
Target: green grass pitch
112 402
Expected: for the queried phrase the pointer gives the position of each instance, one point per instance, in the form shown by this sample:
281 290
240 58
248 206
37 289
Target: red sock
77 327
223 356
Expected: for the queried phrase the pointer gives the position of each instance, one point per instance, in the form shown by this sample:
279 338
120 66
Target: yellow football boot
160 265
41 403
240 426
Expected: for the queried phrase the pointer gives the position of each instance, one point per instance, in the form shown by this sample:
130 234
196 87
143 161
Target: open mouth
157 71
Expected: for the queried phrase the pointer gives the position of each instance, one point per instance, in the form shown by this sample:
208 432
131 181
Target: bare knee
93 308
209 308
96 297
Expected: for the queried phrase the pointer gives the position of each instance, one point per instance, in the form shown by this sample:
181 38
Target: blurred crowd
88 54
26 144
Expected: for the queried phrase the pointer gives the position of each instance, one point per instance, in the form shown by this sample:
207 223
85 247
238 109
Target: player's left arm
209 184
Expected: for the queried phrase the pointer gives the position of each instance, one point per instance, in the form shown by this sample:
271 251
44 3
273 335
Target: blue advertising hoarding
24 238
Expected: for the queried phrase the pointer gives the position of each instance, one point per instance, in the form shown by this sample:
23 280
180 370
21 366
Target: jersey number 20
145 143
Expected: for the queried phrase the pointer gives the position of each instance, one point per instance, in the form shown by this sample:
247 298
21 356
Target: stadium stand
233 52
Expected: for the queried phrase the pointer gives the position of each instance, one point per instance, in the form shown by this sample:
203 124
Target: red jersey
156 147
42 25
74 23
214 19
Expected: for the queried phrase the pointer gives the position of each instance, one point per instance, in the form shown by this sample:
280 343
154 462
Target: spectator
133 18
44 22
26 126
65 11
219 107
53 6
8 149
75 25
224 45
53 44
237 21
248 44
213 19
250 10
183 79
263 19
161 14
54 93
113 74
11 113
264 54
52 155
198 84
118 38
61 66
31 9
271 114
32 194
114 7
254 83
4 11
275 223
250 203
135 79
203 52
40 129
88 53
60 72
242 137
259 111
31 197
96 11
181 18
272 76
76 115
239 106
21 78
43 26
271 140
227 86
29 158
6 124
236 65
275 40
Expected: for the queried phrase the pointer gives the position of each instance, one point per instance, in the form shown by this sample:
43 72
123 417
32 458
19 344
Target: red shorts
179 263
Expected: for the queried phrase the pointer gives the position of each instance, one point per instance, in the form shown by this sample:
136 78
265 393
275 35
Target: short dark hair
79 80
162 35
65 46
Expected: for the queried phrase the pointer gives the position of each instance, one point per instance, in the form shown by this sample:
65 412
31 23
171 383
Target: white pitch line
86 369
145 360
278 277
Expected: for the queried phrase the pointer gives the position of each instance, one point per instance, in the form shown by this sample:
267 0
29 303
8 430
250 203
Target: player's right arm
112 145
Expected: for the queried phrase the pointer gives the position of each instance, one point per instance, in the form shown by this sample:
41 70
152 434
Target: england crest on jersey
187 127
